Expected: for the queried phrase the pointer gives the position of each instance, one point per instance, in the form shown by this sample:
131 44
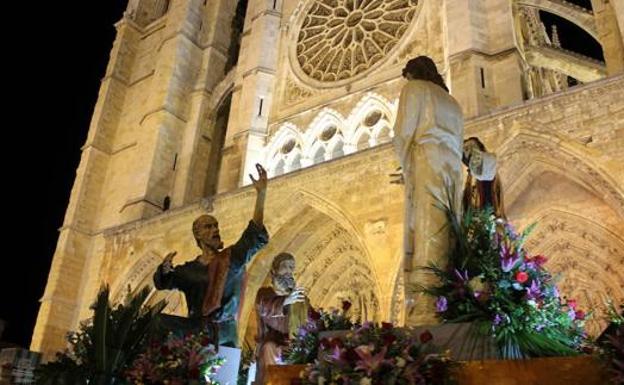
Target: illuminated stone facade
174 124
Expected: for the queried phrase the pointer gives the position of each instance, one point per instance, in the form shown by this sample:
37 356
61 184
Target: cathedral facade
198 91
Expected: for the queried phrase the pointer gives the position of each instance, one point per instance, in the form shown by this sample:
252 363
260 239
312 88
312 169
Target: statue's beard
285 283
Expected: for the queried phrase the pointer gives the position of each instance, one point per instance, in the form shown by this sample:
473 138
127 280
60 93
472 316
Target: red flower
580 314
572 304
388 339
346 305
426 336
522 277
387 325
539 260
314 315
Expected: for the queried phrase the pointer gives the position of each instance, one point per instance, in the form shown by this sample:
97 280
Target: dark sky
59 55
53 81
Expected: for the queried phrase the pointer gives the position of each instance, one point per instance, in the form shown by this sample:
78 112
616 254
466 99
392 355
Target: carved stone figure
428 140
212 282
281 309
483 187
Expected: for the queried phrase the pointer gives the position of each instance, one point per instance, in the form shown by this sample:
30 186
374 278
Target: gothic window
219 128
319 155
338 150
279 168
363 142
238 23
384 135
328 133
296 163
373 118
340 39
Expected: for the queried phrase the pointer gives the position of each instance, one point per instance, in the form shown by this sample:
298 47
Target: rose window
343 38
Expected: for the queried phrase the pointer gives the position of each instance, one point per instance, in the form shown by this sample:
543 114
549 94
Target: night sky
53 82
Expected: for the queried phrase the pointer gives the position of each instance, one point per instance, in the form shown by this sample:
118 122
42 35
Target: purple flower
497 319
462 277
441 304
508 259
533 291
572 314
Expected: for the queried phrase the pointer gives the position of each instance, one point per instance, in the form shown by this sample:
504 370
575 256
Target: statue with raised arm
428 136
212 282
483 187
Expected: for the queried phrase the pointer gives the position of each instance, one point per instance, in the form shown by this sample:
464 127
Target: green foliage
177 359
103 347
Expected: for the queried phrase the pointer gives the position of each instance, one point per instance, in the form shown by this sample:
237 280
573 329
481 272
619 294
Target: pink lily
368 361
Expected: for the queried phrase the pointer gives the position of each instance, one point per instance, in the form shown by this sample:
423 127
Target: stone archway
587 257
579 214
333 263
527 154
138 276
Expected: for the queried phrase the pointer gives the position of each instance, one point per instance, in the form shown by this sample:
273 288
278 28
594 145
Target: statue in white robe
428 138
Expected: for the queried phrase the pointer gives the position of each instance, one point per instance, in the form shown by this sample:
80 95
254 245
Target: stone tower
198 91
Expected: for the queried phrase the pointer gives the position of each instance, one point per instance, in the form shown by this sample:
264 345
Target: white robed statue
428 138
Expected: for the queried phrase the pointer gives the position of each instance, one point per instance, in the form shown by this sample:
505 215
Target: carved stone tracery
340 39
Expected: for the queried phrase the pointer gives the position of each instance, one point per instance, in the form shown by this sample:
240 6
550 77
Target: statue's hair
479 142
423 68
281 257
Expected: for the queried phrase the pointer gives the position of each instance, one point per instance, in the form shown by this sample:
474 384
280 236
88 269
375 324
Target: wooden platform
584 370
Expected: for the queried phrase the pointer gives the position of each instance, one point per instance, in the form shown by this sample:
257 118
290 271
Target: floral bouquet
304 346
178 360
379 355
493 281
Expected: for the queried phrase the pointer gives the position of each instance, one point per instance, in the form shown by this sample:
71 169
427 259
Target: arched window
384 135
319 156
296 163
338 150
216 151
364 142
279 168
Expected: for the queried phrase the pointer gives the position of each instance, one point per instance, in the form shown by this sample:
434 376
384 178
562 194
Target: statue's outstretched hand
297 295
167 264
261 183
397 177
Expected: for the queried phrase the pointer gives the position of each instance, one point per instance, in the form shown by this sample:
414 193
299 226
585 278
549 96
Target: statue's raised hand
260 184
167 264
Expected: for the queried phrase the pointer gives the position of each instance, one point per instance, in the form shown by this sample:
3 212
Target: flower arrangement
304 346
178 360
379 355
492 280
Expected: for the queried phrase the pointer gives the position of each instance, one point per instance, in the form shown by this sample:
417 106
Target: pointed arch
525 150
369 103
324 240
